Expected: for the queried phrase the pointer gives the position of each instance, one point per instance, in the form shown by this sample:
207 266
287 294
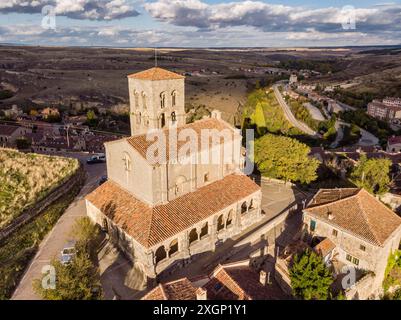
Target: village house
50 112
163 214
394 144
388 110
10 134
233 281
13 113
350 227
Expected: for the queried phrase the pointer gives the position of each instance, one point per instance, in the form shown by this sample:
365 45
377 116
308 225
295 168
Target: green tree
285 158
84 230
91 118
258 118
310 278
372 174
78 280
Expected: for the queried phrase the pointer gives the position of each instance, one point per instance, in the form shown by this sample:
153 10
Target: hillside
27 178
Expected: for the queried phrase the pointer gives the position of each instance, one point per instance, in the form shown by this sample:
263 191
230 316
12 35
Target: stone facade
155 187
354 248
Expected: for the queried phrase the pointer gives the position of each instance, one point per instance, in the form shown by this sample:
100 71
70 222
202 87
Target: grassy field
27 178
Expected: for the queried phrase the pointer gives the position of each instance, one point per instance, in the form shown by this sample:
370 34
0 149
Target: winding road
290 117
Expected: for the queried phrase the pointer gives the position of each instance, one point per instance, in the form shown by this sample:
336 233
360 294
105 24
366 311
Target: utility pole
68 138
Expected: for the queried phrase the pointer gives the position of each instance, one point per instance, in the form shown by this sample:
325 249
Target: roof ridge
362 205
331 202
163 292
366 217
235 282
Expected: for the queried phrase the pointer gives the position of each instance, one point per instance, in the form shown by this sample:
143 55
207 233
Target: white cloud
76 9
272 17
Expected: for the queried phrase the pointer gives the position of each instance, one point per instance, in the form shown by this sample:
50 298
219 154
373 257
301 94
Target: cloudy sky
200 23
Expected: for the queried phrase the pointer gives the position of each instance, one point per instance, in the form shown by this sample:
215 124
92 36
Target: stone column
213 232
183 244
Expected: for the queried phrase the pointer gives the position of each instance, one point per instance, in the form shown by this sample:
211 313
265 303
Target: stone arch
173 247
179 184
138 117
173 117
136 99
162 118
220 223
160 254
204 230
229 219
144 102
174 98
251 204
127 162
193 235
162 100
244 207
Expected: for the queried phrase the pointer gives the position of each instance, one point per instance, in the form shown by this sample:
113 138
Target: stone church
163 214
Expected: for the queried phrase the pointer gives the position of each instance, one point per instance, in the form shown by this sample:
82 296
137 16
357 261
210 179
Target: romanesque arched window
136 99
220 223
160 254
244 207
162 120
162 100
251 205
173 98
229 218
204 230
127 162
173 247
138 118
144 102
173 117
193 235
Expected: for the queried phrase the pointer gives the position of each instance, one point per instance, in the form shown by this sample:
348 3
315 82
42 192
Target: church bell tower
157 100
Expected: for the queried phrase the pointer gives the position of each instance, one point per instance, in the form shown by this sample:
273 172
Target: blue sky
201 23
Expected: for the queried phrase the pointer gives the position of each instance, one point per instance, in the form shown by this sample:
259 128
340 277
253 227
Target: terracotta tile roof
394 140
156 73
7 130
228 282
181 289
140 143
324 247
152 225
355 211
240 283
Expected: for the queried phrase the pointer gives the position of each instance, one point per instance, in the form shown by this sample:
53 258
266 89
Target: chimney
330 216
216 114
201 294
262 277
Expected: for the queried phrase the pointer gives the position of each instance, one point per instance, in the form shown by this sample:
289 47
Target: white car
68 252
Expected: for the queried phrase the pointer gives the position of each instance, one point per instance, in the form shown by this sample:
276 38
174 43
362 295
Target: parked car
68 252
96 159
102 180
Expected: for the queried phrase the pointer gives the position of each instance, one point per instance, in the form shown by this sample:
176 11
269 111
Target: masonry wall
188 248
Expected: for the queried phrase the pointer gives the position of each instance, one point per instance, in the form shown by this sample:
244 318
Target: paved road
60 234
340 134
290 117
